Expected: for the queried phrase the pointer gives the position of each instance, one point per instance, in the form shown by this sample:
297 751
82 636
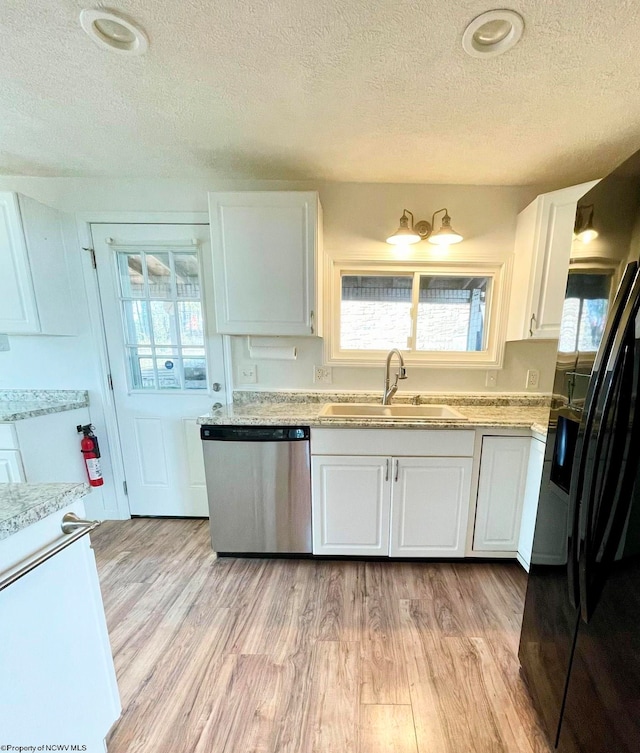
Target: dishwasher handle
210 432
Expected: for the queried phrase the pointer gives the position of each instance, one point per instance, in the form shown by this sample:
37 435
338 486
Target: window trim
595 266
496 269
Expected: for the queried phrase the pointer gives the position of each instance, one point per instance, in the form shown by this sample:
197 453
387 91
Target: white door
501 490
350 505
430 506
157 300
11 469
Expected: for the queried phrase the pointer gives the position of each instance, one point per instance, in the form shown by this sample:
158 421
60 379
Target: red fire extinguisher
91 453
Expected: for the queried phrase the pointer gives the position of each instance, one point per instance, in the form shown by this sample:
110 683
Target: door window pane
158 275
187 275
375 312
136 321
130 267
191 322
451 313
163 319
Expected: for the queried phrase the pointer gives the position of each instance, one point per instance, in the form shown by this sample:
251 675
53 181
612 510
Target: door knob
216 386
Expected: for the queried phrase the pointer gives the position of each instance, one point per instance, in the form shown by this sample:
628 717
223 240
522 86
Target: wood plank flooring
308 656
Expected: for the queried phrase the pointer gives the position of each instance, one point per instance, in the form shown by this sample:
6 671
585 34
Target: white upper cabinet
265 247
543 240
35 292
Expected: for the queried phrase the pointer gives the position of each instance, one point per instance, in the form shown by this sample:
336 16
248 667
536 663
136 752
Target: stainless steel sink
392 412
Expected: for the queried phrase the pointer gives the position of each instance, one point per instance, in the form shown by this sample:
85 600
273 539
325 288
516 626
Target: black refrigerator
580 642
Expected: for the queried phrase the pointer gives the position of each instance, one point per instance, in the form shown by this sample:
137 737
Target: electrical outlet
4 343
322 374
248 373
533 379
491 379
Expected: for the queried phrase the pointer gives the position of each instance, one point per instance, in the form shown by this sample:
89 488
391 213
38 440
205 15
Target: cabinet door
530 505
501 489
350 505
18 312
11 470
55 649
430 506
544 234
264 251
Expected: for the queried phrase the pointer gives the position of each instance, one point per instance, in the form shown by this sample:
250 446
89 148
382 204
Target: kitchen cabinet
43 449
530 506
35 290
544 233
60 684
266 247
350 505
406 493
430 505
501 488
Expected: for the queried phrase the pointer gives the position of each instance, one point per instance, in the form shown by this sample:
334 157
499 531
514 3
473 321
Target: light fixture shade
587 235
446 236
404 235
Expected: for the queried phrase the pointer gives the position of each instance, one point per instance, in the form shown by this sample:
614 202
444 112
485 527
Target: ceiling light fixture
583 229
492 33
114 32
408 234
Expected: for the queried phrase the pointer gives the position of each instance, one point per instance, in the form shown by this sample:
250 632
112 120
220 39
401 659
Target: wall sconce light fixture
583 229
409 233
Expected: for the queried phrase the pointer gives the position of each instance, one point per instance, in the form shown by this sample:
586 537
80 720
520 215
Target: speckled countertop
24 504
289 408
16 405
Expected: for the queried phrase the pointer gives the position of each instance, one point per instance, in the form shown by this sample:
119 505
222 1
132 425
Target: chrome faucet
389 392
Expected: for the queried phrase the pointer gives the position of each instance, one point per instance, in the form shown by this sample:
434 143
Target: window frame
492 357
592 266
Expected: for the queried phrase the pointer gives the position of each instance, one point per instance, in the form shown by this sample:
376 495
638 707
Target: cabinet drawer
8 438
407 442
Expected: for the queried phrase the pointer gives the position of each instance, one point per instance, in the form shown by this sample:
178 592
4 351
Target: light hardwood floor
304 656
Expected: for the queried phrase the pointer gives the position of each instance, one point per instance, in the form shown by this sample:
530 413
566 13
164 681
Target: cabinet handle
386 475
311 321
397 468
532 321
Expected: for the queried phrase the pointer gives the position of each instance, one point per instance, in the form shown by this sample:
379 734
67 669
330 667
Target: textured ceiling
348 90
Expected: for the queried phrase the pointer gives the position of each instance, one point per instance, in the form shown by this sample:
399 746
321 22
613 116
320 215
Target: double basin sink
392 412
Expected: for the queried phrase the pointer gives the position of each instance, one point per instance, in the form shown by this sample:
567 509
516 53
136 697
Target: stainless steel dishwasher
259 488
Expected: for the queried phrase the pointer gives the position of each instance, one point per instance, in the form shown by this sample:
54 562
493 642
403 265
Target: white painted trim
83 221
228 367
498 269
143 218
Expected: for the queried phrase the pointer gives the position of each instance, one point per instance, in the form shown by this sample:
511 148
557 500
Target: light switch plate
533 379
248 373
4 343
491 379
322 374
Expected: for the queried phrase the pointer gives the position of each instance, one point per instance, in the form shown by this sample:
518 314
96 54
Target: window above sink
436 314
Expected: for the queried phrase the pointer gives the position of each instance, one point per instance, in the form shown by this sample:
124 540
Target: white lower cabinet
530 506
429 506
350 505
11 470
374 504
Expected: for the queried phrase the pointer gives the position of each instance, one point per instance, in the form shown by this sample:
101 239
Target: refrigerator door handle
618 358
577 486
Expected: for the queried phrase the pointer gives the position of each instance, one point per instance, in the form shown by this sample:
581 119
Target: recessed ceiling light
114 32
492 33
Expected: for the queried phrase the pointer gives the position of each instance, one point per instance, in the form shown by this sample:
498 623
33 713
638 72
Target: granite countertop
16 405
24 504
521 412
